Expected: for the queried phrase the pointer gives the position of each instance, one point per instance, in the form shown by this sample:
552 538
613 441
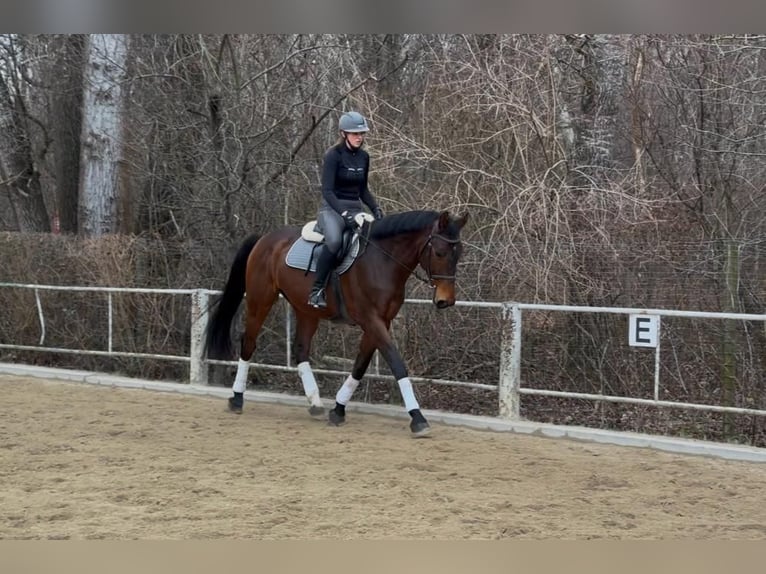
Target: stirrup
317 299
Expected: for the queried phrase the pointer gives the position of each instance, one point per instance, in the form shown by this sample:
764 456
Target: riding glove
348 217
378 213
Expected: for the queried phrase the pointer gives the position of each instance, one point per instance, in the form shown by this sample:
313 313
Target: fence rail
509 386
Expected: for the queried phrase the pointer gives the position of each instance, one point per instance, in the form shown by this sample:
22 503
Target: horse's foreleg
385 344
366 351
304 331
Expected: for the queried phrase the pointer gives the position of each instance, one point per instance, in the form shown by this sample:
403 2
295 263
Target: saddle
301 253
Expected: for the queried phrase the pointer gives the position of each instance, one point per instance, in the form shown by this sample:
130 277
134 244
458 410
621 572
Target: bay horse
372 291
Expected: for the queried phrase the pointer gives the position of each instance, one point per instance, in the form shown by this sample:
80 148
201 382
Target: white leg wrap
410 402
241 379
309 383
347 389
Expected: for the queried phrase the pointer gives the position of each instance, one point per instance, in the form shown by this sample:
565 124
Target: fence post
198 368
510 363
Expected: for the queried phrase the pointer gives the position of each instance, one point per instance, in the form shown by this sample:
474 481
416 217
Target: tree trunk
603 74
102 127
19 177
636 121
67 109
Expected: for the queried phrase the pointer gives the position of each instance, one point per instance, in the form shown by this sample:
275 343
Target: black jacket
344 177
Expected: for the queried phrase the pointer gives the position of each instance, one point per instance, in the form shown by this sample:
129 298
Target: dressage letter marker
643 330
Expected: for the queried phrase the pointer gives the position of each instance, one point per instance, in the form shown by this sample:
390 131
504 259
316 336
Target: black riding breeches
332 226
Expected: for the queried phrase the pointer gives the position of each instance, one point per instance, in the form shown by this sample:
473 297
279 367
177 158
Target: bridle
432 276
429 280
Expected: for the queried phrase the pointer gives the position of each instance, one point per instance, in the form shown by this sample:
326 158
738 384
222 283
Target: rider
344 188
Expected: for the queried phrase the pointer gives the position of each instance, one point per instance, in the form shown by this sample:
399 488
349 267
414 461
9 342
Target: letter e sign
643 330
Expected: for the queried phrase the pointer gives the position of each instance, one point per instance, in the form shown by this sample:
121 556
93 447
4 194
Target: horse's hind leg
258 306
367 348
305 328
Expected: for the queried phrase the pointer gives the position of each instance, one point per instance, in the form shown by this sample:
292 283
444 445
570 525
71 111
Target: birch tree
102 127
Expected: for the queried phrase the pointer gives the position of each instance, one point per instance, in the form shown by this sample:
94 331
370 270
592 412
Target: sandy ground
81 462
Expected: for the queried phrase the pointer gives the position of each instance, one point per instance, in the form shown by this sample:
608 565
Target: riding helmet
353 122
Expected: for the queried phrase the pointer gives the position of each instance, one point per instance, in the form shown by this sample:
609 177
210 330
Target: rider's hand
378 213
348 217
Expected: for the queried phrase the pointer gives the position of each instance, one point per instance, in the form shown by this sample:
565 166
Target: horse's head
439 256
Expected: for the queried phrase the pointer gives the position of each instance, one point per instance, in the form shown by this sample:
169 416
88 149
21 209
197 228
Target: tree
102 126
66 79
19 171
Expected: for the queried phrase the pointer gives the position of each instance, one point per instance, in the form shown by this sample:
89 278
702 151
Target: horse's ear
443 220
462 220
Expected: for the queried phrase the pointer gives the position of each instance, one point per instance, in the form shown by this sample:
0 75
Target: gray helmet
353 122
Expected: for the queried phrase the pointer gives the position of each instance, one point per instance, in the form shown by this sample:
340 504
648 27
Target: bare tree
707 144
19 168
65 75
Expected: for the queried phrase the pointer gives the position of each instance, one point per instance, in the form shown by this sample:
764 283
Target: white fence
509 386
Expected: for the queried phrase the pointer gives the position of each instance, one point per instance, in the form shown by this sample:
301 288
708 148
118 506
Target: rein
414 270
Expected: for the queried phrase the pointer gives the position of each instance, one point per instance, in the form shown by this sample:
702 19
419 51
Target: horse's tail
218 336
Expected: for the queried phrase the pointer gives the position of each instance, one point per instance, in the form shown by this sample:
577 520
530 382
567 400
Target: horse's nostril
442 304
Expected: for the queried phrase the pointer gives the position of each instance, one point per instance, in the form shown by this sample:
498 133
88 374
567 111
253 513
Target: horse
368 294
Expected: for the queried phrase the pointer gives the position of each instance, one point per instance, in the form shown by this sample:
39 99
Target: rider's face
354 140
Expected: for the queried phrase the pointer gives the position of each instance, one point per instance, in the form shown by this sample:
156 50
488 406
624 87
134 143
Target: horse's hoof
234 406
316 412
334 419
420 429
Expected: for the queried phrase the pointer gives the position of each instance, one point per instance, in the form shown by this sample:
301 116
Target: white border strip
667 444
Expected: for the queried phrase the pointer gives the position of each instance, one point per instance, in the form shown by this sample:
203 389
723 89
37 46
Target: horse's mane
406 222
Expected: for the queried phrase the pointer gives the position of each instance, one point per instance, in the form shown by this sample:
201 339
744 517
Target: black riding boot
324 266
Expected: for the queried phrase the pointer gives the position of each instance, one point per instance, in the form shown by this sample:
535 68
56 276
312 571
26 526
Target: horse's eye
440 254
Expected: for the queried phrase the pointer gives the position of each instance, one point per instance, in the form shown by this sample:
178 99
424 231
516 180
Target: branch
282 63
315 122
